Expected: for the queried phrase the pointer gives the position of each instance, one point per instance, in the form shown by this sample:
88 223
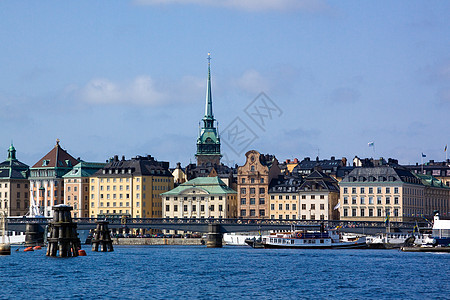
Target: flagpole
421 163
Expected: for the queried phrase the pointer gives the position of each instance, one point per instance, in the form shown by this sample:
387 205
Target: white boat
441 231
16 238
327 239
393 240
238 239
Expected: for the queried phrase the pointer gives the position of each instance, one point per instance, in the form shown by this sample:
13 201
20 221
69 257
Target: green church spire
208 142
11 152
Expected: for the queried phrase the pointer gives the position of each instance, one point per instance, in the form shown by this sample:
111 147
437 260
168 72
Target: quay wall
159 241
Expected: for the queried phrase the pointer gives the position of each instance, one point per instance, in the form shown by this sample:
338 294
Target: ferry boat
327 239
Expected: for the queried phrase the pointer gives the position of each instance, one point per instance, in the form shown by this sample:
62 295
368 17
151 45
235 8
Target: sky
293 78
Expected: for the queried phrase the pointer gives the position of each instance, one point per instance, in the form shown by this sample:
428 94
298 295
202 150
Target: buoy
37 248
28 249
81 252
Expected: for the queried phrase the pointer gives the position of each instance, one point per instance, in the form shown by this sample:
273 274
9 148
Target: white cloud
248 5
142 90
252 81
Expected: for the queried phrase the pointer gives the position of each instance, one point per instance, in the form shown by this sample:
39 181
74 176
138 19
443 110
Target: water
168 272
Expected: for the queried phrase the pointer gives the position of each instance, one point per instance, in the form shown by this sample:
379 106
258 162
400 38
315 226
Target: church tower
208 142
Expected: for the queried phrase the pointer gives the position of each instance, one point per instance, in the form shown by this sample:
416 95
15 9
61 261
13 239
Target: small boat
28 249
81 252
37 248
303 239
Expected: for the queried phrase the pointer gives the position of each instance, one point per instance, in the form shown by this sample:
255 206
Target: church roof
56 158
11 168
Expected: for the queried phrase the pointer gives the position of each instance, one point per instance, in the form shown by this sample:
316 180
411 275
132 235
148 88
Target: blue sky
129 77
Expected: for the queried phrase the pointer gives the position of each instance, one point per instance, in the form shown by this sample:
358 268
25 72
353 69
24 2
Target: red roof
56 158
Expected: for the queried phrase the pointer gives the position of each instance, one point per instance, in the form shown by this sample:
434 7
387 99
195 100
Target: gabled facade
319 194
46 180
208 141
14 190
253 184
76 187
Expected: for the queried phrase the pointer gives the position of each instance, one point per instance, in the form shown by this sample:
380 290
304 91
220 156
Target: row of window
128 179
362 200
294 206
362 212
252 213
362 190
195 198
253 180
253 191
194 208
18 185
294 217
252 201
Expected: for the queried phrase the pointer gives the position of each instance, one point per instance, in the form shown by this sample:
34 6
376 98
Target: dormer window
68 163
45 162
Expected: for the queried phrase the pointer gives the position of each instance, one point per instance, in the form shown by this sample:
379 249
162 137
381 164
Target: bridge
223 225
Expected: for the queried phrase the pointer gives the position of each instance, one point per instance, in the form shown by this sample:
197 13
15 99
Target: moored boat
326 239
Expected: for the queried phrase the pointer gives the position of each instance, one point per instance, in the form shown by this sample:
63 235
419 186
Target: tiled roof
138 166
56 158
212 185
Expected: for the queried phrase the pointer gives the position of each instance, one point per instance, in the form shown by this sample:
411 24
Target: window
194 207
243 180
252 168
388 190
262 201
378 200
362 200
280 206
262 180
243 213
313 206
303 217
345 200
262 212
211 208
379 212
243 201
353 200
280 197
313 217
362 212
220 207
272 206
395 200
252 201
345 190
303 206
294 207
353 190
378 190
322 206
362 190
370 200
353 212
287 206
252 213
243 191
303 196
396 190
262 190
396 212
388 200
370 190
345 212
252 180
313 197
175 207
370 212
252 190
202 208
185 207
322 196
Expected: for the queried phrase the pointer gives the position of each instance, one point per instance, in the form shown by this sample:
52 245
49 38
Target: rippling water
167 272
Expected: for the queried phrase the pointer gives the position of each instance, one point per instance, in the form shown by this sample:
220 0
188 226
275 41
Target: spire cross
209 58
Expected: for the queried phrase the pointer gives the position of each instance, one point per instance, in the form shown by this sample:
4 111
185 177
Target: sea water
195 272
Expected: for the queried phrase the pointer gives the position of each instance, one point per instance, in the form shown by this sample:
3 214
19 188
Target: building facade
46 180
378 193
208 141
319 195
253 181
202 197
14 186
284 198
76 187
130 188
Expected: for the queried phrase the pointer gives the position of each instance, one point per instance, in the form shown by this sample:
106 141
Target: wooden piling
63 240
102 238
